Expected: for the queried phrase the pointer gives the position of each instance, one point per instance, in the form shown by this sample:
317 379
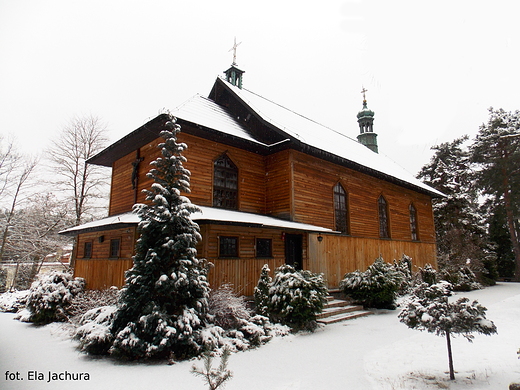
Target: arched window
384 231
341 209
225 183
413 223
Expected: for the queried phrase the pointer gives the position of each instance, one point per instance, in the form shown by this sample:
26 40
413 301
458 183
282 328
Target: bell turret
234 74
366 135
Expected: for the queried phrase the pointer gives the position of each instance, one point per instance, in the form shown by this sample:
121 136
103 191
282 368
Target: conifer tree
430 309
261 292
496 150
164 302
459 226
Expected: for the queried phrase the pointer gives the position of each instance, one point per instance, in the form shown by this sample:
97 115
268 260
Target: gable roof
319 138
281 128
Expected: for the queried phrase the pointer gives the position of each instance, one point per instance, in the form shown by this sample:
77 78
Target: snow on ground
375 352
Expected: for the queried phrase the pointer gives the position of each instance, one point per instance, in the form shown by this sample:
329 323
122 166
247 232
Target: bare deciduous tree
19 177
80 140
9 161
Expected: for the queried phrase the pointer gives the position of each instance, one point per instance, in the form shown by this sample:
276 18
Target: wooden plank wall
201 155
100 271
242 272
278 185
336 255
314 180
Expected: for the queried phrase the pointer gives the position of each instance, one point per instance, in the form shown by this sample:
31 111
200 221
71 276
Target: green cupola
233 74
366 135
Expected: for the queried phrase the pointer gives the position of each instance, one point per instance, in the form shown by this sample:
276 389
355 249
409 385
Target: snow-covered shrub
296 297
261 292
429 308
11 302
462 278
256 331
404 266
428 274
233 325
228 309
376 287
94 331
91 299
50 296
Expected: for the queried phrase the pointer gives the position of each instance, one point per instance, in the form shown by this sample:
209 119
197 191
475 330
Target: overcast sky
431 68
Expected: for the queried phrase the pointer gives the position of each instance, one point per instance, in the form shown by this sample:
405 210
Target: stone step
336 303
344 317
334 310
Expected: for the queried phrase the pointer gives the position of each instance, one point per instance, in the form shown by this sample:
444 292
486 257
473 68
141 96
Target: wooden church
274 187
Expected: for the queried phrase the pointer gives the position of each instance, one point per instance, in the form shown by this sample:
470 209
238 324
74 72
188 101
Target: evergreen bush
296 297
428 274
93 332
261 292
461 278
377 287
51 295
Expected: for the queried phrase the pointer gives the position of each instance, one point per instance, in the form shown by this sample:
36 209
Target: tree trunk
450 357
511 225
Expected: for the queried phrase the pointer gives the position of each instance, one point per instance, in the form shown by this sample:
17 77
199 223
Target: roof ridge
291 111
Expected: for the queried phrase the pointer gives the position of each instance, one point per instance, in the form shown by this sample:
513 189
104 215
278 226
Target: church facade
274 188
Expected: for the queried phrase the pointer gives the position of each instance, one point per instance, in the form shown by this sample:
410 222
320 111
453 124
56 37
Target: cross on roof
363 92
234 48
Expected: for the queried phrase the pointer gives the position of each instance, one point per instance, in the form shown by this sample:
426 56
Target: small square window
264 247
115 246
87 250
228 247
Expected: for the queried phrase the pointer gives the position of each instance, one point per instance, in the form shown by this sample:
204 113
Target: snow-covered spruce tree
261 292
429 309
376 287
163 305
460 227
296 297
496 151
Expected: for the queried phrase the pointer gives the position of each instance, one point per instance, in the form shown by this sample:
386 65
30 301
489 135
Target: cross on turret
233 74
234 48
363 91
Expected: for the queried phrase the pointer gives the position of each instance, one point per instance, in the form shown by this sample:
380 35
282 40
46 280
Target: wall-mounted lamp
320 238
101 239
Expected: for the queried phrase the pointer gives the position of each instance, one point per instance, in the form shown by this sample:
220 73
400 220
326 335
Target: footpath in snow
375 352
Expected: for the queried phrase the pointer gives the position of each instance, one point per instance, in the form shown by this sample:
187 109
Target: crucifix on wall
135 173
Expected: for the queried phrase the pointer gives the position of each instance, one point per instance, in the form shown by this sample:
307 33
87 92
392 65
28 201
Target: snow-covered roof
204 111
207 214
322 137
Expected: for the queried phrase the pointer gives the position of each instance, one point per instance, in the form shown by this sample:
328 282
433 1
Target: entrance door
294 250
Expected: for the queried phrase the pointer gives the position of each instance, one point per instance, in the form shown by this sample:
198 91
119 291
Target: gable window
384 231
115 247
225 183
227 246
341 209
87 250
264 247
413 223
